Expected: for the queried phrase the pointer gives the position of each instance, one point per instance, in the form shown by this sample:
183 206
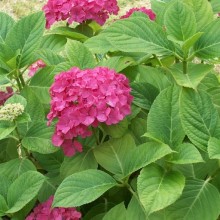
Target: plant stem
158 60
22 80
184 66
19 84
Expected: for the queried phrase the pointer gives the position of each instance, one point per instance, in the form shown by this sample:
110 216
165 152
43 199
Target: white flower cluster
11 111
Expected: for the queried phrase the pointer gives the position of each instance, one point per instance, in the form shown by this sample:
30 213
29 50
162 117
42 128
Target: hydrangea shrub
112 122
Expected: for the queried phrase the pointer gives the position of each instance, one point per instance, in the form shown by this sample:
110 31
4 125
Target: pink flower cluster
44 212
4 95
79 10
35 67
148 12
85 98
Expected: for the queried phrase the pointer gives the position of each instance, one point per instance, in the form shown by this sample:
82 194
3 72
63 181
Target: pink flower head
35 67
44 212
79 10
4 95
82 99
148 12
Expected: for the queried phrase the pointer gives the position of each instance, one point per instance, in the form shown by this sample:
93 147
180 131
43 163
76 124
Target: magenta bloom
82 99
79 10
35 67
4 95
44 212
148 12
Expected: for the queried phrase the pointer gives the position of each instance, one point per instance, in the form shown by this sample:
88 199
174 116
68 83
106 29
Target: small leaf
214 148
3 206
82 188
38 138
6 128
23 190
158 189
17 99
186 153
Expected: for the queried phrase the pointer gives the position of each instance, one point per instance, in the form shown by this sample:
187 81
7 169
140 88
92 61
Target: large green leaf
5 183
14 168
186 153
117 212
79 55
34 107
6 128
3 206
38 138
198 196
203 12
157 188
139 33
111 154
214 148
81 161
214 94
208 46
25 36
41 82
163 119
198 116
144 94
180 21
7 23
23 190
215 5
82 188
143 155
195 74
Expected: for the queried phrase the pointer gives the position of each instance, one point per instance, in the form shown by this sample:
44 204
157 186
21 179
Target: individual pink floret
82 99
4 95
35 67
147 11
44 212
79 10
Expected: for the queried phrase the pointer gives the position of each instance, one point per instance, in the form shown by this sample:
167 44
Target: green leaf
5 183
134 208
163 119
157 188
117 212
34 107
26 37
53 42
143 155
214 94
195 74
180 21
23 190
38 138
186 153
203 12
40 84
81 161
111 154
69 33
139 33
17 99
3 206
117 63
144 94
79 55
82 188
214 148
208 46
198 116
50 162
49 57
191 41
116 130
16 167
198 196
6 128
209 82
215 5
